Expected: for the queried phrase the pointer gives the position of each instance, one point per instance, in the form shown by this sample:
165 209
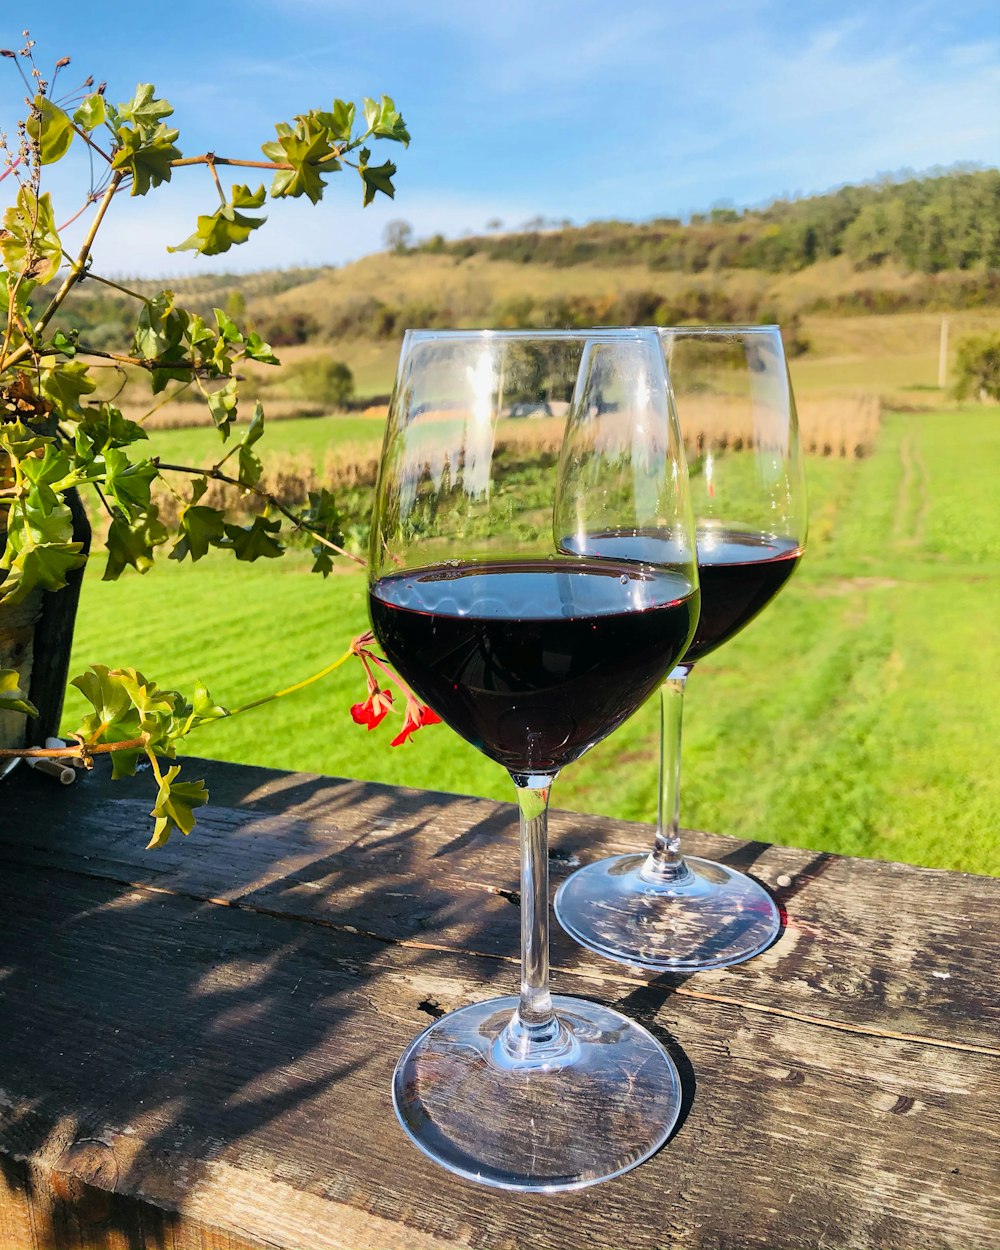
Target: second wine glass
663 910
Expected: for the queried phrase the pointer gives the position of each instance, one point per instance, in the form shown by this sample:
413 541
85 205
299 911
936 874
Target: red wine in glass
740 573
533 662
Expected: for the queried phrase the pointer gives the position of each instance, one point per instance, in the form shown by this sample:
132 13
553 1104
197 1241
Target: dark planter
35 638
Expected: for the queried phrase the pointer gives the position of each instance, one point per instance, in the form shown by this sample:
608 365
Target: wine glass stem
534 1035
665 862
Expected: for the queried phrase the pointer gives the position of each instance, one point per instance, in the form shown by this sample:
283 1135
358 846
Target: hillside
821 266
948 219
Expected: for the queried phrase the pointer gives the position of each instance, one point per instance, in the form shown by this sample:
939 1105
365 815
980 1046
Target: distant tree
977 367
236 305
494 224
320 380
398 235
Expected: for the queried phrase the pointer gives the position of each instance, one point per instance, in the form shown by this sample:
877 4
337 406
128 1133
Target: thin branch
300 685
91 199
11 166
75 273
96 277
261 494
103 498
167 399
84 749
215 178
210 159
88 140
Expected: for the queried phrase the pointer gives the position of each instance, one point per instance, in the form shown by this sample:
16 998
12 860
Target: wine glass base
711 918
607 1101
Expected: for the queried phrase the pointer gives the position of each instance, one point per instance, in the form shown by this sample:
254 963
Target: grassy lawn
858 714
312 436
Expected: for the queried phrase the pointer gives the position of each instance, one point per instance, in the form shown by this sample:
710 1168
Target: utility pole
943 355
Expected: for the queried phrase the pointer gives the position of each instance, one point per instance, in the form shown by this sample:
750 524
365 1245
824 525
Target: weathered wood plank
234 1068
876 946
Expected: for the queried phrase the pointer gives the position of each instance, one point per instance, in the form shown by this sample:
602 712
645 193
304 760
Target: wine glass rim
596 332
719 329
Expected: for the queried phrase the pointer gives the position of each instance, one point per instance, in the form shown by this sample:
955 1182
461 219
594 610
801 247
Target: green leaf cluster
319 141
57 435
128 706
30 243
219 231
144 144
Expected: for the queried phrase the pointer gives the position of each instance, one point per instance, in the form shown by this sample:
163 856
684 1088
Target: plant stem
300 685
210 161
96 277
99 748
209 158
75 273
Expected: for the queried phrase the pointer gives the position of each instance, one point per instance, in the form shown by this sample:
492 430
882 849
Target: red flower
417 715
372 712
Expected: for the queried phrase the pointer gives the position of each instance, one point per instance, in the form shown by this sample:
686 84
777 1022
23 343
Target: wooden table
197 1043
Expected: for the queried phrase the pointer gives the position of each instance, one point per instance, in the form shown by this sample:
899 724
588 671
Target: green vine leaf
175 805
250 466
129 483
306 148
144 149
30 242
339 122
256 349
219 231
51 129
64 385
19 440
222 406
35 565
385 121
201 528
144 109
104 427
148 159
12 698
204 709
376 177
91 113
131 545
255 541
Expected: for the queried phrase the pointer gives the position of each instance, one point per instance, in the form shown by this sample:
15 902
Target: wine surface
534 662
740 573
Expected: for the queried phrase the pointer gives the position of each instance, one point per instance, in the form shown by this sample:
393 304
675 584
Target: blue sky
564 108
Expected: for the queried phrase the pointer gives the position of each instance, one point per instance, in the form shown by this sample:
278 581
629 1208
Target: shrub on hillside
320 380
977 367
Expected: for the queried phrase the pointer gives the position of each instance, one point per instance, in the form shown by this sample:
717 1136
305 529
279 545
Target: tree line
940 221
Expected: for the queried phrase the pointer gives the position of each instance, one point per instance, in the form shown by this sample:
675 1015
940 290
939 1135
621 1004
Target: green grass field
858 714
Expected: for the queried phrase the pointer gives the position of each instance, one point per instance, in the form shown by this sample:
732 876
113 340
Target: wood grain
197 1045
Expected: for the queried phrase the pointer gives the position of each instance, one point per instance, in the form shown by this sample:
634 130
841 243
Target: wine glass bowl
510 587
665 911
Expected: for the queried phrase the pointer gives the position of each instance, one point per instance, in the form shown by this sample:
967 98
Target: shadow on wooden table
177 1005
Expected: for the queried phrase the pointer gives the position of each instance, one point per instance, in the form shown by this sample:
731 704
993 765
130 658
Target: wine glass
667 911
502 612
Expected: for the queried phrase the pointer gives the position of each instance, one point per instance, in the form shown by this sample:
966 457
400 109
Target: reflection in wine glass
533 651
667 911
